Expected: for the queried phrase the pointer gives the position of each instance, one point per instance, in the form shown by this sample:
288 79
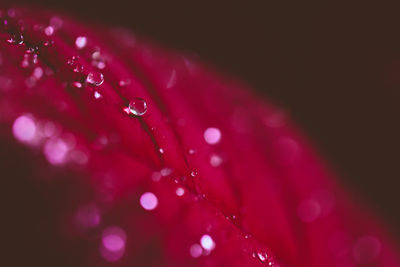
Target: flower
117 151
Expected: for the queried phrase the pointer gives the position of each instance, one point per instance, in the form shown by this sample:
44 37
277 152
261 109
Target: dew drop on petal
95 78
207 242
77 84
180 191
29 60
196 250
97 95
148 201
48 43
55 151
138 106
123 83
98 60
215 160
127 110
113 243
113 238
75 64
24 129
37 73
262 256
193 173
165 171
212 135
49 30
80 42
191 151
16 38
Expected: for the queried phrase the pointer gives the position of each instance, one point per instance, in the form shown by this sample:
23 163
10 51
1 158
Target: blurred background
335 67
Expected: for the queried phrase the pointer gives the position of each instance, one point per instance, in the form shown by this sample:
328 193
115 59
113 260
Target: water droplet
148 201
97 95
56 150
180 191
74 63
49 30
16 38
191 151
29 60
193 173
215 160
77 84
113 243
37 73
126 110
138 107
207 242
95 78
165 171
24 129
196 250
212 135
98 60
48 43
161 150
262 256
80 42
124 82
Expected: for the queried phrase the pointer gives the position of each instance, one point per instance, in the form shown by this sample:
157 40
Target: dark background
335 67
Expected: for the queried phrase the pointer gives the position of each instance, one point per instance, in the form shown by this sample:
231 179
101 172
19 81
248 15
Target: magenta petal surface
126 154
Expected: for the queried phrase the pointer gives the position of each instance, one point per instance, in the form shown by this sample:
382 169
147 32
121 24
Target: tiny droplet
80 42
148 201
212 135
95 78
138 107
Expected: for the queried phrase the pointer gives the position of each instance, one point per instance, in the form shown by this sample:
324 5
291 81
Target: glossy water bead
148 201
138 106
212 135
80 42
95 78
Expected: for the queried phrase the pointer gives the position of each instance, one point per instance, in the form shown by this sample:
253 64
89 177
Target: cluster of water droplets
59 149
